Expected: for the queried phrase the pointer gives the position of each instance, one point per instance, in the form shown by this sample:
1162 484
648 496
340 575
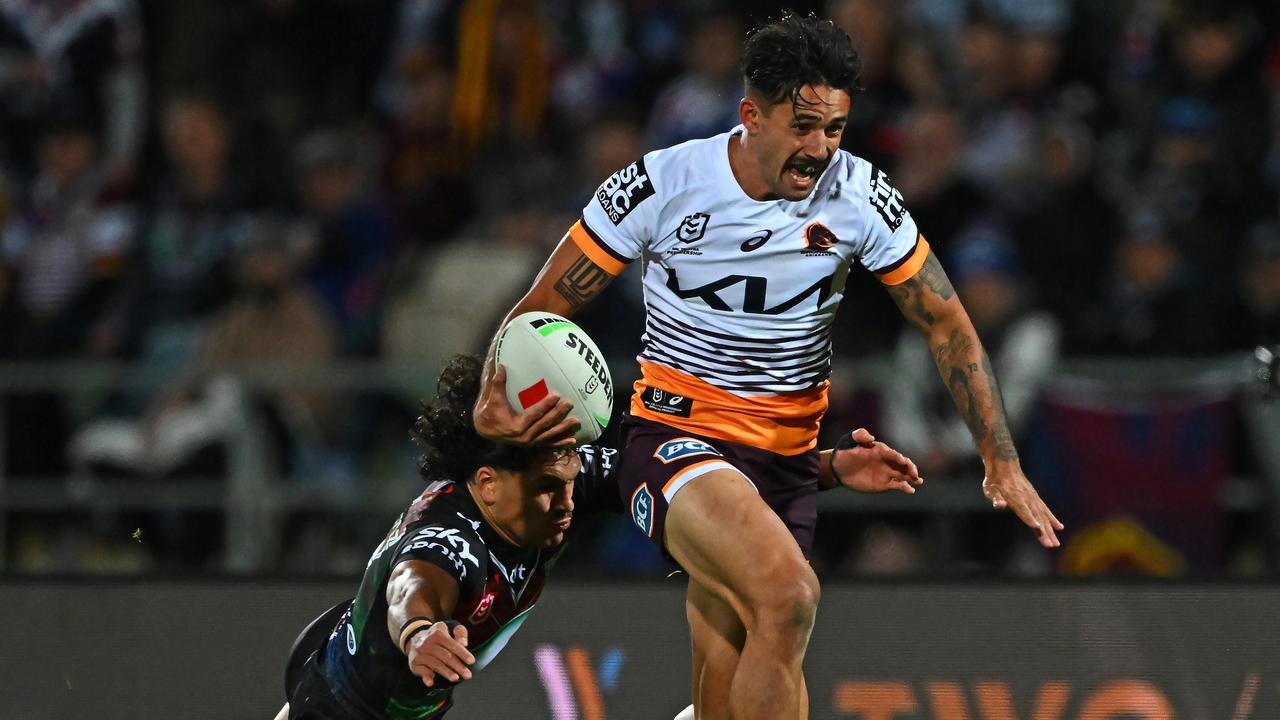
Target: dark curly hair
450 446
784 55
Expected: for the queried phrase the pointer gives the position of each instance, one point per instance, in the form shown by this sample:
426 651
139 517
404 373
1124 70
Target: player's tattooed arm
929 302
582 281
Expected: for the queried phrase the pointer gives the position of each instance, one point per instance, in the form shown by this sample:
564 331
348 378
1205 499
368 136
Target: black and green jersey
498 585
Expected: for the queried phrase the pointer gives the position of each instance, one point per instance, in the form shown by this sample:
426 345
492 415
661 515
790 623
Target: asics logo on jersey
757 241
754 295
693 227
624 190
886 199
673 450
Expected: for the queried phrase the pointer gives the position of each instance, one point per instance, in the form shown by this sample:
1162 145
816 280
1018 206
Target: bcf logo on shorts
673 450
642 509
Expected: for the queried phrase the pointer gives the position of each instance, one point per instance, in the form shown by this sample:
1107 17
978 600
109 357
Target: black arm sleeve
596 489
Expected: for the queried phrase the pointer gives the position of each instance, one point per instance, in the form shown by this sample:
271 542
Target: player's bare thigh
729 541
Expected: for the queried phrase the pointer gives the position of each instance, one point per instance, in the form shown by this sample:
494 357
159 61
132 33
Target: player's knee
788 602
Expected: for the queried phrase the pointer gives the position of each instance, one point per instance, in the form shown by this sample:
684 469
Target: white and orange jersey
740 294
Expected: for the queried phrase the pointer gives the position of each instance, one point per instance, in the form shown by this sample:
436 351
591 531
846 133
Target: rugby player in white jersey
746 240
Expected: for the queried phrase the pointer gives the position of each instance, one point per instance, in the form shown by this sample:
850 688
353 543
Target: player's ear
749 114
486 483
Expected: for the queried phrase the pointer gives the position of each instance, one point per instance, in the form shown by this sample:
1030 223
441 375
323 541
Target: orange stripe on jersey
592 249
785 423
905 269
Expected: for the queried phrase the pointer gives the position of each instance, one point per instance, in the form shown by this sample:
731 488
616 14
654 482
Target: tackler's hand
437 654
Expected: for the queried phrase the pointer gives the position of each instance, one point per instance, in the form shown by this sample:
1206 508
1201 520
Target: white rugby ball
545 353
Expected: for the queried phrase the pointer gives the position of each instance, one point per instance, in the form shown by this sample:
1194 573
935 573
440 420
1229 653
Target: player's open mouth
564 523
802 173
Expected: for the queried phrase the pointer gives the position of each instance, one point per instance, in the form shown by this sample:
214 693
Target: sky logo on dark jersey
624 190
642 509
672 450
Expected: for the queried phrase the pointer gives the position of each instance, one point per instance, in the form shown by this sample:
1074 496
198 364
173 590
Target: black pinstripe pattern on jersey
720 377
769 343
688 343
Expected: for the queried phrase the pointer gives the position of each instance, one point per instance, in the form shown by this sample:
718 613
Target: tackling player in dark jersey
458 573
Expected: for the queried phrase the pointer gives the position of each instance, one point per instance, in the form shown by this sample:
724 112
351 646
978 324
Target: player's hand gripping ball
545 353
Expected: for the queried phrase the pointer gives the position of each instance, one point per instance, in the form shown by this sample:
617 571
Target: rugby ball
545 353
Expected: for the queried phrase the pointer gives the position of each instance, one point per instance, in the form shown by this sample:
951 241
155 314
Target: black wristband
845 442
413 619
404 639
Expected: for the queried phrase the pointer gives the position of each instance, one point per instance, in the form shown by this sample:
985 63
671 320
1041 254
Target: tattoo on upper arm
582 281
932 275
910 294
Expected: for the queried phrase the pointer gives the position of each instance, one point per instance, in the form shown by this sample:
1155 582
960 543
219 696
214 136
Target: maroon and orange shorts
658 460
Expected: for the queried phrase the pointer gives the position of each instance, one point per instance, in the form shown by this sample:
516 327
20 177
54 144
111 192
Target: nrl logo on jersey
624 190
692 228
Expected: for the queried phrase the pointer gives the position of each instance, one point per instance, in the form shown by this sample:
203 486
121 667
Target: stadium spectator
349 257
280 67
180 272
502 75
1152 300
877 119
61 255
85 53
444 308
1260 286
272 319
65 245
1065 233
702 99
426 173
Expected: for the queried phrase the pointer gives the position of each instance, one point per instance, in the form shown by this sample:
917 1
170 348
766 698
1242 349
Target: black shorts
657 460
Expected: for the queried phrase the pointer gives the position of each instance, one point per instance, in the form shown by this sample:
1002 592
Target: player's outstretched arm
860 463
567 281
420 601
929 302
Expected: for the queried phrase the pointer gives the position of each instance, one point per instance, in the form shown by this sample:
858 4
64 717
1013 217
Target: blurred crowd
190 183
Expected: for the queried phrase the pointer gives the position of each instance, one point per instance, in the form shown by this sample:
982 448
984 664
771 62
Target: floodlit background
239 238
